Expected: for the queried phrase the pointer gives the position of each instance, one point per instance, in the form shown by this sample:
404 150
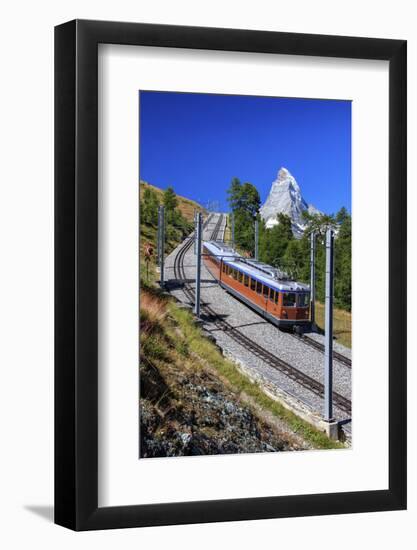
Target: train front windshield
289 299
299 299
303 299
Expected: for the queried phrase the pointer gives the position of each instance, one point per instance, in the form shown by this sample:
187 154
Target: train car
266 289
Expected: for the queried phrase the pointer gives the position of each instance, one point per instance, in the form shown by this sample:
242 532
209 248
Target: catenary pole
328 354
195 231
198 267
313 278
158 239
161 231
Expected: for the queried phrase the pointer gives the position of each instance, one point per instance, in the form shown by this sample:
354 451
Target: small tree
294 259
244 202
149 207
170 203
279 237
234 194
342 215
343 262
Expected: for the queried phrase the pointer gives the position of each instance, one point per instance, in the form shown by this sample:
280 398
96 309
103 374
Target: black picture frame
76 272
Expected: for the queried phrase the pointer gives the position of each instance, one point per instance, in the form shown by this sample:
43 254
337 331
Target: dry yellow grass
185 206
342 324
228 231
155 307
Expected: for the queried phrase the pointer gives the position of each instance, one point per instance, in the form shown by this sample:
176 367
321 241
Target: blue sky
198 142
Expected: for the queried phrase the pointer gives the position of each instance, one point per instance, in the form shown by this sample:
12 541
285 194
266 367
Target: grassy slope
187 408
148 233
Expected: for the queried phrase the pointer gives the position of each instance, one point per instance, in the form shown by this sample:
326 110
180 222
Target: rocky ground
184 411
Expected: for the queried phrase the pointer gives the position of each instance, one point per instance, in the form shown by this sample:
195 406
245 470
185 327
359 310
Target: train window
289 299
252 284
266 291
276 297
240 276
246 280
303 299
234 273
272 295
258 287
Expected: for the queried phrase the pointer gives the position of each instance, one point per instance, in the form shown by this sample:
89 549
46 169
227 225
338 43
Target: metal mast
328 355
198 266
161 242
256 240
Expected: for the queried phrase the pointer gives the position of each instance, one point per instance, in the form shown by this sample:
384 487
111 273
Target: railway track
216 230
292 372
319 346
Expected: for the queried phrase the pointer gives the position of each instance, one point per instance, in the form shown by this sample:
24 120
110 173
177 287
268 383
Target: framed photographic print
230 275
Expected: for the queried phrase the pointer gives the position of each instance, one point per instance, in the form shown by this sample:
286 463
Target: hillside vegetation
185 206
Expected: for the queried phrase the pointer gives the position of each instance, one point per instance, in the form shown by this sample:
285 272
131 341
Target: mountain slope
285 197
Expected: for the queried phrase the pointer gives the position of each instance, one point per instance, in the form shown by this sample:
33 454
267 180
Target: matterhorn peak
282 173
285 197
284 177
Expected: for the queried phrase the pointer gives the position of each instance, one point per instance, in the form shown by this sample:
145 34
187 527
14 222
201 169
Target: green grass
207 351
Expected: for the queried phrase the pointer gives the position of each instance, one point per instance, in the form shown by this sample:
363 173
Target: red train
264 288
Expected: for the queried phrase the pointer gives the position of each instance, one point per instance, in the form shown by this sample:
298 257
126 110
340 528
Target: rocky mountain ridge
285 197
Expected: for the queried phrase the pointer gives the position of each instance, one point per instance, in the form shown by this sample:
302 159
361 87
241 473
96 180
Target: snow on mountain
285 196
